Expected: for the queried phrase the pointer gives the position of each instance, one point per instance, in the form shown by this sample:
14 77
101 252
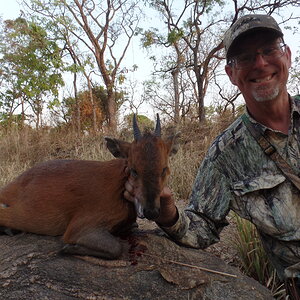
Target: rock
151 267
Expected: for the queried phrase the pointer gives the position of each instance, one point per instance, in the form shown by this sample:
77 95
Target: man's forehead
253 40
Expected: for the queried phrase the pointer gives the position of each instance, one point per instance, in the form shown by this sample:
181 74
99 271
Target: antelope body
83 200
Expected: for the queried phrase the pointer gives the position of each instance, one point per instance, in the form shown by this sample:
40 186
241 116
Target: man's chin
265 96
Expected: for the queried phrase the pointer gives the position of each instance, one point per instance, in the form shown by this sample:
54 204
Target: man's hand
129 190
168 210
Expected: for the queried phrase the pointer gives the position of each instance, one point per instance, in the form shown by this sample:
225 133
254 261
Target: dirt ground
225 249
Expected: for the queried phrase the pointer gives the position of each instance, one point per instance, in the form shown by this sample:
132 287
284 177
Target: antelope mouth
139 208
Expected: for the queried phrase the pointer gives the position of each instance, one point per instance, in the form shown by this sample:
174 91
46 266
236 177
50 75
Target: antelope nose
151 214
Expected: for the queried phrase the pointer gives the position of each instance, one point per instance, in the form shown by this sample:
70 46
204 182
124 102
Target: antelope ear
173 143
118 148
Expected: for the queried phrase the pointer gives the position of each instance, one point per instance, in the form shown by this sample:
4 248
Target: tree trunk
175 74
93 104
77 105
23 112
200 94
111 109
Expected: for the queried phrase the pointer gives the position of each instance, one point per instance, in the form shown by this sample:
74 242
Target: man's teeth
263 79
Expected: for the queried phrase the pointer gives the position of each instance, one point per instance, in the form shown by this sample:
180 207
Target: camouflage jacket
237 175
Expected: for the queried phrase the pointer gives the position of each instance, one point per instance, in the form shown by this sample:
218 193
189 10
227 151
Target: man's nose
259 60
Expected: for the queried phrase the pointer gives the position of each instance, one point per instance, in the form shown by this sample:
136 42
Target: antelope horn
157 131
136 131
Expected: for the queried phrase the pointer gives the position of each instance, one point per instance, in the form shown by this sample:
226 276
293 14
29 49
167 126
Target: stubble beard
266 94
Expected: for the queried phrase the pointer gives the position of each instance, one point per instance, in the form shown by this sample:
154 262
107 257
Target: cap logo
244 22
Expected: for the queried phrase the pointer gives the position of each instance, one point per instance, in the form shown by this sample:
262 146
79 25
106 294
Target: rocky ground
151 267
225 249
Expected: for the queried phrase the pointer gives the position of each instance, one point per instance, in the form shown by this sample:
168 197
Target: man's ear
289 56
229 72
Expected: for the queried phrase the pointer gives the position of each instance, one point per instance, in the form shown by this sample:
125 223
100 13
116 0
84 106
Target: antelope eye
133 173
164 171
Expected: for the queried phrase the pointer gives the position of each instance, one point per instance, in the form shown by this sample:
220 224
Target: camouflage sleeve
201 222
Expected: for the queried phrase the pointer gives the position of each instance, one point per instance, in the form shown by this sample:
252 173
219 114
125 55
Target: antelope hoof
75 249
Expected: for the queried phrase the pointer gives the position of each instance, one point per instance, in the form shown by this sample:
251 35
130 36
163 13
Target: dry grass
253 259
194 143
20 150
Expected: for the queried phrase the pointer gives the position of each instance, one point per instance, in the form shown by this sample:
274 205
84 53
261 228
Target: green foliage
8 121
211 4
30 64
254 260
74 68
121 78
100 105
175 35
149 37
153 37
101 94
144 122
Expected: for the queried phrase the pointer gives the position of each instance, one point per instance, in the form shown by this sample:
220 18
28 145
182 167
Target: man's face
265 77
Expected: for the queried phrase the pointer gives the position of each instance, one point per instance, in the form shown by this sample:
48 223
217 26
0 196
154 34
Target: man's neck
274 114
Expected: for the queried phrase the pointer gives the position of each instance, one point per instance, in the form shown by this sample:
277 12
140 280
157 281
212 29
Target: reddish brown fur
151 175
83 200
61 195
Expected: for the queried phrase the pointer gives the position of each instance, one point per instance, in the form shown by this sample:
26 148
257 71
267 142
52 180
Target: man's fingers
166 193
128 196
129 187
129 191
127 171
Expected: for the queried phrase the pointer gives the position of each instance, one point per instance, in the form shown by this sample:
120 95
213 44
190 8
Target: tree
104 28
30 68
145 124
294 85
171 94
173 66
195 29
185 35
91 103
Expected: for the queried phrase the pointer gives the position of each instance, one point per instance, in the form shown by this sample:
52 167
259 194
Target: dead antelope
83 200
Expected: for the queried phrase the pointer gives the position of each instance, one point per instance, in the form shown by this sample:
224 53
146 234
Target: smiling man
258 64
252 168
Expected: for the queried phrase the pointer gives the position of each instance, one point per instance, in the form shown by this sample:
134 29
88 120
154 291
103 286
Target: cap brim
249 31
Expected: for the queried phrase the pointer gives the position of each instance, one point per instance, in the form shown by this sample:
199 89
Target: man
236 173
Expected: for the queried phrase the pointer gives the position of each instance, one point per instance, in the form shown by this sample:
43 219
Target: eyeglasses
269 53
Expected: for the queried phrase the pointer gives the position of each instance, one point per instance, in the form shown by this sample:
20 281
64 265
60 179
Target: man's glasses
269 53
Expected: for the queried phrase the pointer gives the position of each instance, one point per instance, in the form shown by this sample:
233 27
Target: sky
9 9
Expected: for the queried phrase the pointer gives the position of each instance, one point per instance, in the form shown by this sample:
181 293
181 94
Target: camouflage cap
249 23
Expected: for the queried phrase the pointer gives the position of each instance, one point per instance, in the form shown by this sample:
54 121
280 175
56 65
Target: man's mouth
263 79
